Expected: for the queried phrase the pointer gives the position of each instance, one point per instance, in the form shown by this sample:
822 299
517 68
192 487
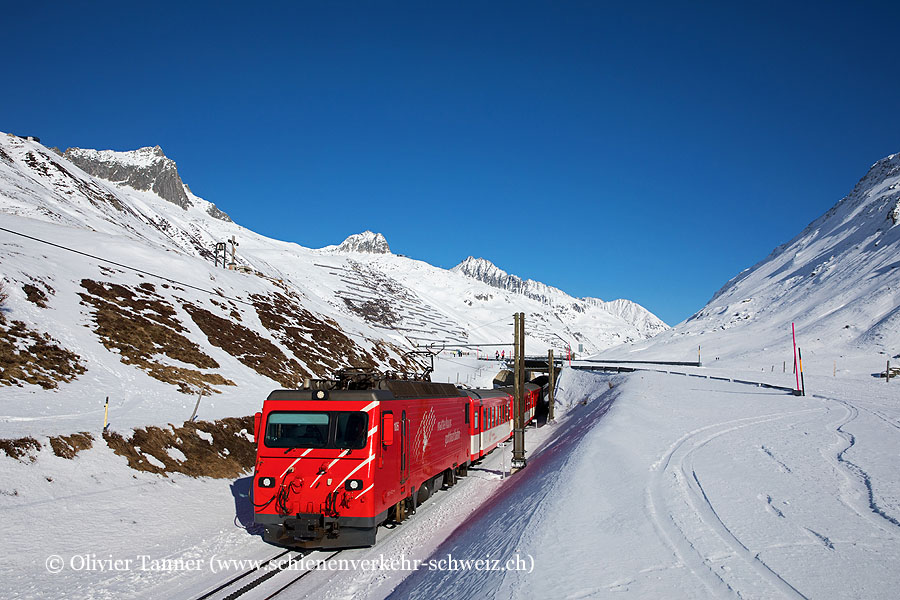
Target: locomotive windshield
316 430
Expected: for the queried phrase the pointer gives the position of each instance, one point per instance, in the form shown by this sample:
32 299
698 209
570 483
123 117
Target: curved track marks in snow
677 502
875 513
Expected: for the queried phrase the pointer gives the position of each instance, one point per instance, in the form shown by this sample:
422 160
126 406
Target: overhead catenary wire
148 273
124 266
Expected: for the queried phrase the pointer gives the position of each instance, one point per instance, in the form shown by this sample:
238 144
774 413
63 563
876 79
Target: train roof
483 394
385 390
529 387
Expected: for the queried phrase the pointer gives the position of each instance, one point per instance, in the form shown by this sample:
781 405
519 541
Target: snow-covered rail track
288 569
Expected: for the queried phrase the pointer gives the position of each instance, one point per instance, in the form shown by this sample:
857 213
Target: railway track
242 583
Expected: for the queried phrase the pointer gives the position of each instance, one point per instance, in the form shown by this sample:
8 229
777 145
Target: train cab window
316 430
350 430
300 430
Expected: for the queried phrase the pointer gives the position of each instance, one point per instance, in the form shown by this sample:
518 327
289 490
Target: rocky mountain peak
143 169
367 241
485 271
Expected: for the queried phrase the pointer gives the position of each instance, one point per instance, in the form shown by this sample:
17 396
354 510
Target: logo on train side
423 434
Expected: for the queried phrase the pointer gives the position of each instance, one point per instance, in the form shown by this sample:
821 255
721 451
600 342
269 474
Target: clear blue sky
650 152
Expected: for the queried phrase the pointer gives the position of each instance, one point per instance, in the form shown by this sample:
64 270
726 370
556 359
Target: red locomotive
336 460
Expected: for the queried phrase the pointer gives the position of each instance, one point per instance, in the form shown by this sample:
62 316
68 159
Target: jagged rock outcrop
367 241
217 213
489 273
142 169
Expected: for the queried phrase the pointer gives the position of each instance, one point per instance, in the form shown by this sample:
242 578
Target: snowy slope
690 488
286 313
838 280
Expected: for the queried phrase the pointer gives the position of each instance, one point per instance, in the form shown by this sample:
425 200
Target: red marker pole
796 371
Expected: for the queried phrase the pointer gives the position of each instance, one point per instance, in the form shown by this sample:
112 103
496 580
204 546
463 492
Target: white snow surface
648 485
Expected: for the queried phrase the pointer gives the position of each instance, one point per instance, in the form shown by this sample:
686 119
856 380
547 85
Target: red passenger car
491 422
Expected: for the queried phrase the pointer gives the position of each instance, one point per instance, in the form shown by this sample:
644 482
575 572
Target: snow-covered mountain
109 263
838 281
367 241
642 320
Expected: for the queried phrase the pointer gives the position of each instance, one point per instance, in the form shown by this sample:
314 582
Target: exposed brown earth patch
67 446
35 295
140 325
27 356
248 347
318 342
377 310
218 449
22 449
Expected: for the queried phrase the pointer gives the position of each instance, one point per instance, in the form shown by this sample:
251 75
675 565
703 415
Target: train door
481 433
404 447
476 428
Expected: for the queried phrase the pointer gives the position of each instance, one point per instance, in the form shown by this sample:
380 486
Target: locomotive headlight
353 485
320 395
266 482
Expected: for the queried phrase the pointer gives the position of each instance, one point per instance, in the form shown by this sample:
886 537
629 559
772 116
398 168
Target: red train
337 460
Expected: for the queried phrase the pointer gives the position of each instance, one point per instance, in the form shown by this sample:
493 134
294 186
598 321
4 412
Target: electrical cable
135 269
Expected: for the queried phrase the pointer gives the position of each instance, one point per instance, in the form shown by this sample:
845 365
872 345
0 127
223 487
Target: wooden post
197 406
796 371
518 459
234 245
887 372
551 388
106 415
802 381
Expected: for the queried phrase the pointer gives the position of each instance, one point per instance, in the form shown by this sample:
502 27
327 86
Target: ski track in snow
858 472
676 464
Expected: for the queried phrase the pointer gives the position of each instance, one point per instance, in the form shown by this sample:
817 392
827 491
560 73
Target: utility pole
518 459
551 392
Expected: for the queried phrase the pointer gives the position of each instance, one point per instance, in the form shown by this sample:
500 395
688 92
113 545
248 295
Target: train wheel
400 511
423 492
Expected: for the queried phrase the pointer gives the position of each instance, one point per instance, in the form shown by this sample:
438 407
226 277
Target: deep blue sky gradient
650 152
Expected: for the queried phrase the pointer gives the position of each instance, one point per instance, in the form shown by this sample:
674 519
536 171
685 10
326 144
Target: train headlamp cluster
266 482
320 395
353 485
